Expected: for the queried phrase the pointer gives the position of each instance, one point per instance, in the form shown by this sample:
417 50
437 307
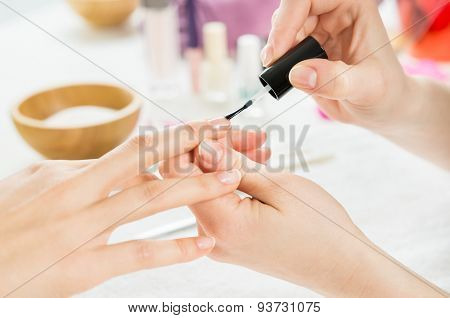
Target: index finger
144 150
290 18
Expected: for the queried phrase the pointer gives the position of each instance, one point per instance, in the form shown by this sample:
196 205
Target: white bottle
217 67
162 45
249 67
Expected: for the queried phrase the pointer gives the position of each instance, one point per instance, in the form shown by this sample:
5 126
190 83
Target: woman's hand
362 82
293 229
56 216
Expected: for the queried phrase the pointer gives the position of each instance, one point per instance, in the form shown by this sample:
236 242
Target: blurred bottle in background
249 67
240 17
162 46
193 52
216 70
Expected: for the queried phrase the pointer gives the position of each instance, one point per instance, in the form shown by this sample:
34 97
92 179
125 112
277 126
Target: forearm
383 276
422 124
367 271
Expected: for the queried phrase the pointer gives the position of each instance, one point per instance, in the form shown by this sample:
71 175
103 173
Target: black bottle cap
276 76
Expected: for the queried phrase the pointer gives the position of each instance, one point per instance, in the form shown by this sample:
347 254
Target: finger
140 152
243 140
288 21
309 26
133 256
337 80
256 180
246 141
139 179
291 23
180 166
210 212
154 196
259 155
323 7
36 179
78 163
274 16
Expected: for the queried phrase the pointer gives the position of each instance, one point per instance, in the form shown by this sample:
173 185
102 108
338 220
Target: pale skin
362 83
57 216
290 227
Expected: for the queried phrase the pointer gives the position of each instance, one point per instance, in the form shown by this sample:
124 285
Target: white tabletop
401 202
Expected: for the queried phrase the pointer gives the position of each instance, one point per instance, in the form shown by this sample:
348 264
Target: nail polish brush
275 78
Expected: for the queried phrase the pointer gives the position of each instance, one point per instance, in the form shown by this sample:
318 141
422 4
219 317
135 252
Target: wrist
406 108
357 268
380 275
334 271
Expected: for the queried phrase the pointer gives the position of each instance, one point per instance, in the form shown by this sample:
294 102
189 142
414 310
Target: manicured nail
303 76
229 177
211 151
219 123
205 243
266 55
268 153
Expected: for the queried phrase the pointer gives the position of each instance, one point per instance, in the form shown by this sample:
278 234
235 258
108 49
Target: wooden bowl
76 141
104 12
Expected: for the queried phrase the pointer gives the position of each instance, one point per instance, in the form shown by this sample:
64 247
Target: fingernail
211 151
229 177
219 123
266 55
303 76
268 152
205 243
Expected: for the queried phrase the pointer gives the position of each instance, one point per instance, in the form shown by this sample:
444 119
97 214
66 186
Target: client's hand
292 229
56 216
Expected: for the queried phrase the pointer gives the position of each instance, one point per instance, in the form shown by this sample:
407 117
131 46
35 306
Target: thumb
131 256
256 180
337 80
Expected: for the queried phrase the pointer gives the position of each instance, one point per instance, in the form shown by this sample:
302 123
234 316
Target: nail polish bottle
249 67
276 77
217 68
193 53
162 45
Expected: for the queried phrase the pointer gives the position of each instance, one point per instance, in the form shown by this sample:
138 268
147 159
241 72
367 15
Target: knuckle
275 16
61 188
34 167
183 250
138 141
189 130
149 189
42 166
204 184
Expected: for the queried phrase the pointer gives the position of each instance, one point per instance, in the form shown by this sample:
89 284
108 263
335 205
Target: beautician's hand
56 216
363 82
293 229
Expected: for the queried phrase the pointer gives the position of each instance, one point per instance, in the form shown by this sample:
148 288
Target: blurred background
78 77
183 59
